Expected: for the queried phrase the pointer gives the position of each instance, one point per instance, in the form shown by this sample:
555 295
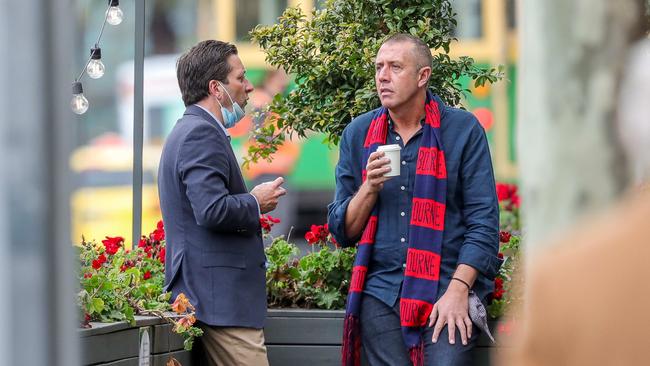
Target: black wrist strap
464 283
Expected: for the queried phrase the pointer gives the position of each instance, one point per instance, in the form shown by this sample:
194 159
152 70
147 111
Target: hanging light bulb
114 14
95 68
79 103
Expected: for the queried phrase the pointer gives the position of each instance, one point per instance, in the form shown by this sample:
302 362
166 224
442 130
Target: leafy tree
330 55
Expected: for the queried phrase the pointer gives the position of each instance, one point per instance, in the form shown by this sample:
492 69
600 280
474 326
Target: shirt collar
391 125
216 120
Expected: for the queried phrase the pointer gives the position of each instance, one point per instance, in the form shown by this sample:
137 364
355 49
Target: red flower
311 238
97 264
267 222
498 294
317 234
142 243
498 289
147 275
500 255
112 244
503 191
158 235
508 192
88 275
266 226
504 236
161 255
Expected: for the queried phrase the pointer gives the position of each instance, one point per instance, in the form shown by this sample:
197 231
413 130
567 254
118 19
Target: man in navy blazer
215 254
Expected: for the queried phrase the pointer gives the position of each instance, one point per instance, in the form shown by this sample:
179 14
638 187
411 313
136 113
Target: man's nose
249 87
383 74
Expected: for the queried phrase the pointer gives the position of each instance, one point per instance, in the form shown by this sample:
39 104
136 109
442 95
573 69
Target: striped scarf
426 228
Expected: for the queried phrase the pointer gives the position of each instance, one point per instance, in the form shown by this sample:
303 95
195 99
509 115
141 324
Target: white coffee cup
392 152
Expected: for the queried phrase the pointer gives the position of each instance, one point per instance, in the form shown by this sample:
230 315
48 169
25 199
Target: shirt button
404 265
402 188
397 138
402 213
402 240
403 162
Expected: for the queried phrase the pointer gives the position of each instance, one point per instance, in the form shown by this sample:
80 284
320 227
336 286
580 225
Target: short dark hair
206 61
420 49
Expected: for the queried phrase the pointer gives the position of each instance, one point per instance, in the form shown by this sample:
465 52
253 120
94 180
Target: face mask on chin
230 118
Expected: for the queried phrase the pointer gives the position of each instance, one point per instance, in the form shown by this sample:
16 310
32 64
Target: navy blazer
215 254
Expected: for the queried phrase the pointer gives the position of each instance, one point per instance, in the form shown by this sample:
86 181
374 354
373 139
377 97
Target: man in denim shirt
471 232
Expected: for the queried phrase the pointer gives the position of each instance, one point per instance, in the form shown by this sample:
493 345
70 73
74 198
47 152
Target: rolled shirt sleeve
347 184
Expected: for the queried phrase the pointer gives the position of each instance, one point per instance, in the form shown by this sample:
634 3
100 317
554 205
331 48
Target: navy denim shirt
471 233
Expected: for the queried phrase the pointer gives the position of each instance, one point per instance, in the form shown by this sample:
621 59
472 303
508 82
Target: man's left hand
452 310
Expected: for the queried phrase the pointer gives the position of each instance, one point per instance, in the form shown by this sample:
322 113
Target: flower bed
116 284
321 278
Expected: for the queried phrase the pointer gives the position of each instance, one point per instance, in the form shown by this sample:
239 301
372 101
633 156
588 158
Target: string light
114 14
79 103
94 66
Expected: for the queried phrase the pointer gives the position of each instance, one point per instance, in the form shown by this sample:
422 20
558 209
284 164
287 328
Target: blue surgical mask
230 119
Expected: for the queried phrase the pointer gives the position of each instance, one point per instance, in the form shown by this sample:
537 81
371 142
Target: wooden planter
293 337
149 342
313 337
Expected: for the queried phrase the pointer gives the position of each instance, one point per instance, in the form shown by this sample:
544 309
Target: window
253 12
469 19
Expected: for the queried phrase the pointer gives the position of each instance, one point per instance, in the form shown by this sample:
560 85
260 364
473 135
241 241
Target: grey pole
138 119
37 262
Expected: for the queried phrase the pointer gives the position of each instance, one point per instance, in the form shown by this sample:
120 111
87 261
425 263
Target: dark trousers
381 337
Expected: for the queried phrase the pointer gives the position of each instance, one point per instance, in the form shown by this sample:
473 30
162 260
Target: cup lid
393 147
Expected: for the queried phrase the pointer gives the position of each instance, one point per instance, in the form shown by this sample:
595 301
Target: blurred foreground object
588 302
573 56
587 297
634 116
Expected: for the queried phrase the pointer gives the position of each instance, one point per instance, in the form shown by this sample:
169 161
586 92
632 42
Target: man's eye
395 67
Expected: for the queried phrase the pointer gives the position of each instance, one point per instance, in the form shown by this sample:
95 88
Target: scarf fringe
351 349
416 354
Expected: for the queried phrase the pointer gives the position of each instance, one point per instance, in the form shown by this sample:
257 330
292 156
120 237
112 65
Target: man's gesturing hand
268 193
375 170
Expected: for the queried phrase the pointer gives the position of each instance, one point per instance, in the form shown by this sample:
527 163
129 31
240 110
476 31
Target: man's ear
423 76
214 89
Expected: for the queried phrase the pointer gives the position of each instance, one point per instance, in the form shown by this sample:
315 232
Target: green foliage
116 284
319 279
509 280
511 277
331 57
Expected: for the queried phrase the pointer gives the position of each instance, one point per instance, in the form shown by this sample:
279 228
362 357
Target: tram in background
486 32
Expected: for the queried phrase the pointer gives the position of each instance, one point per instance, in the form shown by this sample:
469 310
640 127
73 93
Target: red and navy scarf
426 228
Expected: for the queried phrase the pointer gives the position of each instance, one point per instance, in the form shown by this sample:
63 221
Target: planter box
299 336
120 344
293 337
